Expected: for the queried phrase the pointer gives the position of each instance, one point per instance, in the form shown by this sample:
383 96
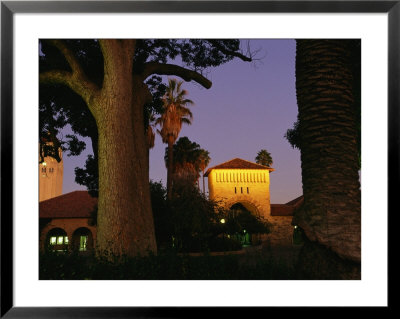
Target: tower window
51 170
241 190
247 190
43 169
235 190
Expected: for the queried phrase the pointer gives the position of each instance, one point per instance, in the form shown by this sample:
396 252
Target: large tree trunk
318 262
331 214
125 221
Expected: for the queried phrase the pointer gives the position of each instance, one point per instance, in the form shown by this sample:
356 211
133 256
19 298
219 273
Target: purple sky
248 108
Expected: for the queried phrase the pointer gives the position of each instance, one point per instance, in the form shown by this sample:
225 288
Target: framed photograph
270 35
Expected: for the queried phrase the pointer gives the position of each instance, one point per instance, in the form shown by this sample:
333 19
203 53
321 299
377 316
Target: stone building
246 183
66 222
50 177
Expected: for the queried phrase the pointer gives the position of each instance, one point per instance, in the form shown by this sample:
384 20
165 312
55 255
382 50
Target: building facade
67 223
50 177
246 183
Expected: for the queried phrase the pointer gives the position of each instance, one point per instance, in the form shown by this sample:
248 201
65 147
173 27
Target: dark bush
224 244
167 265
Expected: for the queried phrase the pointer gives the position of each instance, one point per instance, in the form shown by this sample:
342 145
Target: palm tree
326 85
186 158
204 160
264 158
174 114
189 160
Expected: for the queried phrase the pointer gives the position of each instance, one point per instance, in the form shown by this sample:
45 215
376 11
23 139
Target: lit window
53 240
83 243
44 163
66 240
60 240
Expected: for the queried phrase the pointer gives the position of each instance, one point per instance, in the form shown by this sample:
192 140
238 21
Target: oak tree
109 76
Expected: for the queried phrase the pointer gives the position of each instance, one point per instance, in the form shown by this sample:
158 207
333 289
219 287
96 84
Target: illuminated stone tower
50 177
241 182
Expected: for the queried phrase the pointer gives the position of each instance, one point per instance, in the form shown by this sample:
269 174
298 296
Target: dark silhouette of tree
175 112
264 158
328 131
111 79
162 214
204 161
292 135
188 158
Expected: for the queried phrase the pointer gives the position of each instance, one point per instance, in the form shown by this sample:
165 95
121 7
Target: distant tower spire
50 173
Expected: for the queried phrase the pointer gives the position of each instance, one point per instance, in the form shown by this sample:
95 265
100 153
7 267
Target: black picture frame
9 8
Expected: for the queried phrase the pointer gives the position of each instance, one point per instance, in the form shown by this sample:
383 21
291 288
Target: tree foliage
60 106
240 219
188 160
264 158
188 221
114 80
175 112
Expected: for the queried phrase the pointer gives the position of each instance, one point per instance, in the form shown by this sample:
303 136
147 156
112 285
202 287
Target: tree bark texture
317 262
331 214
125 221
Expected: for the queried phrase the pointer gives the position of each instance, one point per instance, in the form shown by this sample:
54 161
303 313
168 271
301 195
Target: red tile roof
288 208
238 163
281 210
78 204
297 201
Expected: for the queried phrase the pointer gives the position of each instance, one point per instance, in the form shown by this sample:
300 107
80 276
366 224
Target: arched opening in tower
243 217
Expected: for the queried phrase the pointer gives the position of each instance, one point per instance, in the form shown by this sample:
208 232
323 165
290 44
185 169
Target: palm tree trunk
170 167
204 188
331 214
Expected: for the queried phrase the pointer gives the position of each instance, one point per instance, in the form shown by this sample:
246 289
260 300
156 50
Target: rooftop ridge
238 161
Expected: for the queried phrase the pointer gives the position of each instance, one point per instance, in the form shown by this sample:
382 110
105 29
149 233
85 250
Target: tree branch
77 80
172 69
230 52
56 77
67 53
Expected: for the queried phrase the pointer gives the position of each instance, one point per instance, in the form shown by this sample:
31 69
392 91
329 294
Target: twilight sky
248 108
